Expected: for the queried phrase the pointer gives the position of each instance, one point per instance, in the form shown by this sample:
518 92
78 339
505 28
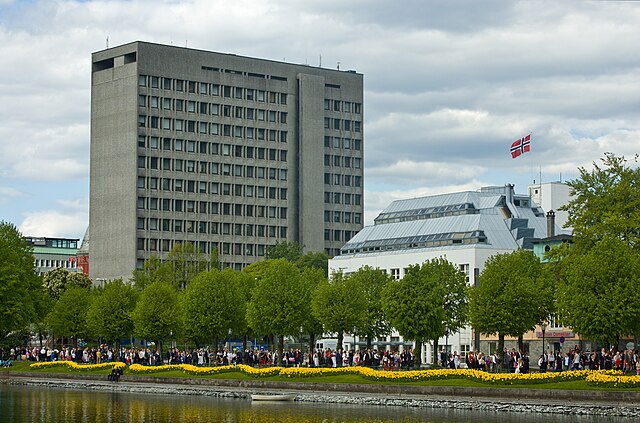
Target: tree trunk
500 352
340 339
280 349
244 342
369 341
435 352
312 348
520 343
417 353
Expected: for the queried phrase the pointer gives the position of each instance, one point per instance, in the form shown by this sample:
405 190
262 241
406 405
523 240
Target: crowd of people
510 361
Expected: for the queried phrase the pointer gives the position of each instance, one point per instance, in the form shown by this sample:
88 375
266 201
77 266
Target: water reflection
27 404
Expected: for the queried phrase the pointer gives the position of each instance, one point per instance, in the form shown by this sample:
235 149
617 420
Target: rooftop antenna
320 64
338 67
186 43
107 41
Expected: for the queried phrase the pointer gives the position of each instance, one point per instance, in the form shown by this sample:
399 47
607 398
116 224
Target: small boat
274 397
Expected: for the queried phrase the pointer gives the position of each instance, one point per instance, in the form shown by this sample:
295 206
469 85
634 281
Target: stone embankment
514 400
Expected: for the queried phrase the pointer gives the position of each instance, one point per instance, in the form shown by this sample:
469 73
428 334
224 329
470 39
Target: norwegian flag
521 146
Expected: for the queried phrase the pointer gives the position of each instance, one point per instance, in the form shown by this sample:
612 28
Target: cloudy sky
449 85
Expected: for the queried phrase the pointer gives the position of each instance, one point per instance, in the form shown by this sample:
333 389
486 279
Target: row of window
342 161
342 106
213 228
211 207
213 188
213 168
342 217
342 198
345 143
339 179
213 109
206 88
67 264
198 166
342 124
225 248
208 128
338 235
213 148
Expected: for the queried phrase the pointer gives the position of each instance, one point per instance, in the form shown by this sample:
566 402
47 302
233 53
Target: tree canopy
605 202
57 281
20 287
340 305
513 295
157 314
69 315
429 301
213 305
280 301
598 292
109 315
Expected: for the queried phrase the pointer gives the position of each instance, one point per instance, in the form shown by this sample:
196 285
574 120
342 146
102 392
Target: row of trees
592 286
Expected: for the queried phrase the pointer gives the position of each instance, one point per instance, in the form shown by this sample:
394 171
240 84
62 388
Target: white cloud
68 219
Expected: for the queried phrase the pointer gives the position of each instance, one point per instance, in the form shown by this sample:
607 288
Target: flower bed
75 366
601 378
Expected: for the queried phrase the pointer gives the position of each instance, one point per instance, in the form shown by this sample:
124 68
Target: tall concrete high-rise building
224 151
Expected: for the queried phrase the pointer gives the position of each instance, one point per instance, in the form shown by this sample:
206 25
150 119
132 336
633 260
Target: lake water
20 404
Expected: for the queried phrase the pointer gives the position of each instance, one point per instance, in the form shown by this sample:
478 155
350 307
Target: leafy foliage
157 313
213 304
428 301
69 315
20 287
606 202
280 301
598 292
340 305
513 295
57 281
109 315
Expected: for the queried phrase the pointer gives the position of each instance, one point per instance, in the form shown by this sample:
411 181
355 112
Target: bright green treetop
109 315
20 287
157 314
598 293
69 315
213 304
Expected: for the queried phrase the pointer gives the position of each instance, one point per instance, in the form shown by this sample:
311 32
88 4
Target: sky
449 85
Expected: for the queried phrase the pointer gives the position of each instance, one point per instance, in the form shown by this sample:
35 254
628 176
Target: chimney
551 223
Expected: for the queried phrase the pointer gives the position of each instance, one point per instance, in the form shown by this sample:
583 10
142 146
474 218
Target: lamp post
301 329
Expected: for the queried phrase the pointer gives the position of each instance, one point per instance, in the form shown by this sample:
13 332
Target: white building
465 227
551 196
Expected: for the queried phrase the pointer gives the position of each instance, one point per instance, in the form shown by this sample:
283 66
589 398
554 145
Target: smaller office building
50 253
466 228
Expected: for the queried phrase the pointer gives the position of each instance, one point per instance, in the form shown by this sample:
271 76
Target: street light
301 328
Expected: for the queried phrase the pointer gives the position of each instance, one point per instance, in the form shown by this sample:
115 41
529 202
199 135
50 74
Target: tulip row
75 366
609 378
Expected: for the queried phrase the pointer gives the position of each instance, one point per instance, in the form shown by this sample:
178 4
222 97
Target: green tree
340 304
69 315
279 301
213 305
373 283
290 251
598 292
314 260
58 280
429 301
605 202
20 287
157 314
109 315
513 295
153 270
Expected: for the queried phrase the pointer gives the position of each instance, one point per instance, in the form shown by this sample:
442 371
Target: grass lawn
333 379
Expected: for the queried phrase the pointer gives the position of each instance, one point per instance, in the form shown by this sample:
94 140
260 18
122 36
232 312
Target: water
20 404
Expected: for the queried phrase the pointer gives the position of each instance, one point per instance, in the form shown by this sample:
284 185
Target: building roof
493 217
